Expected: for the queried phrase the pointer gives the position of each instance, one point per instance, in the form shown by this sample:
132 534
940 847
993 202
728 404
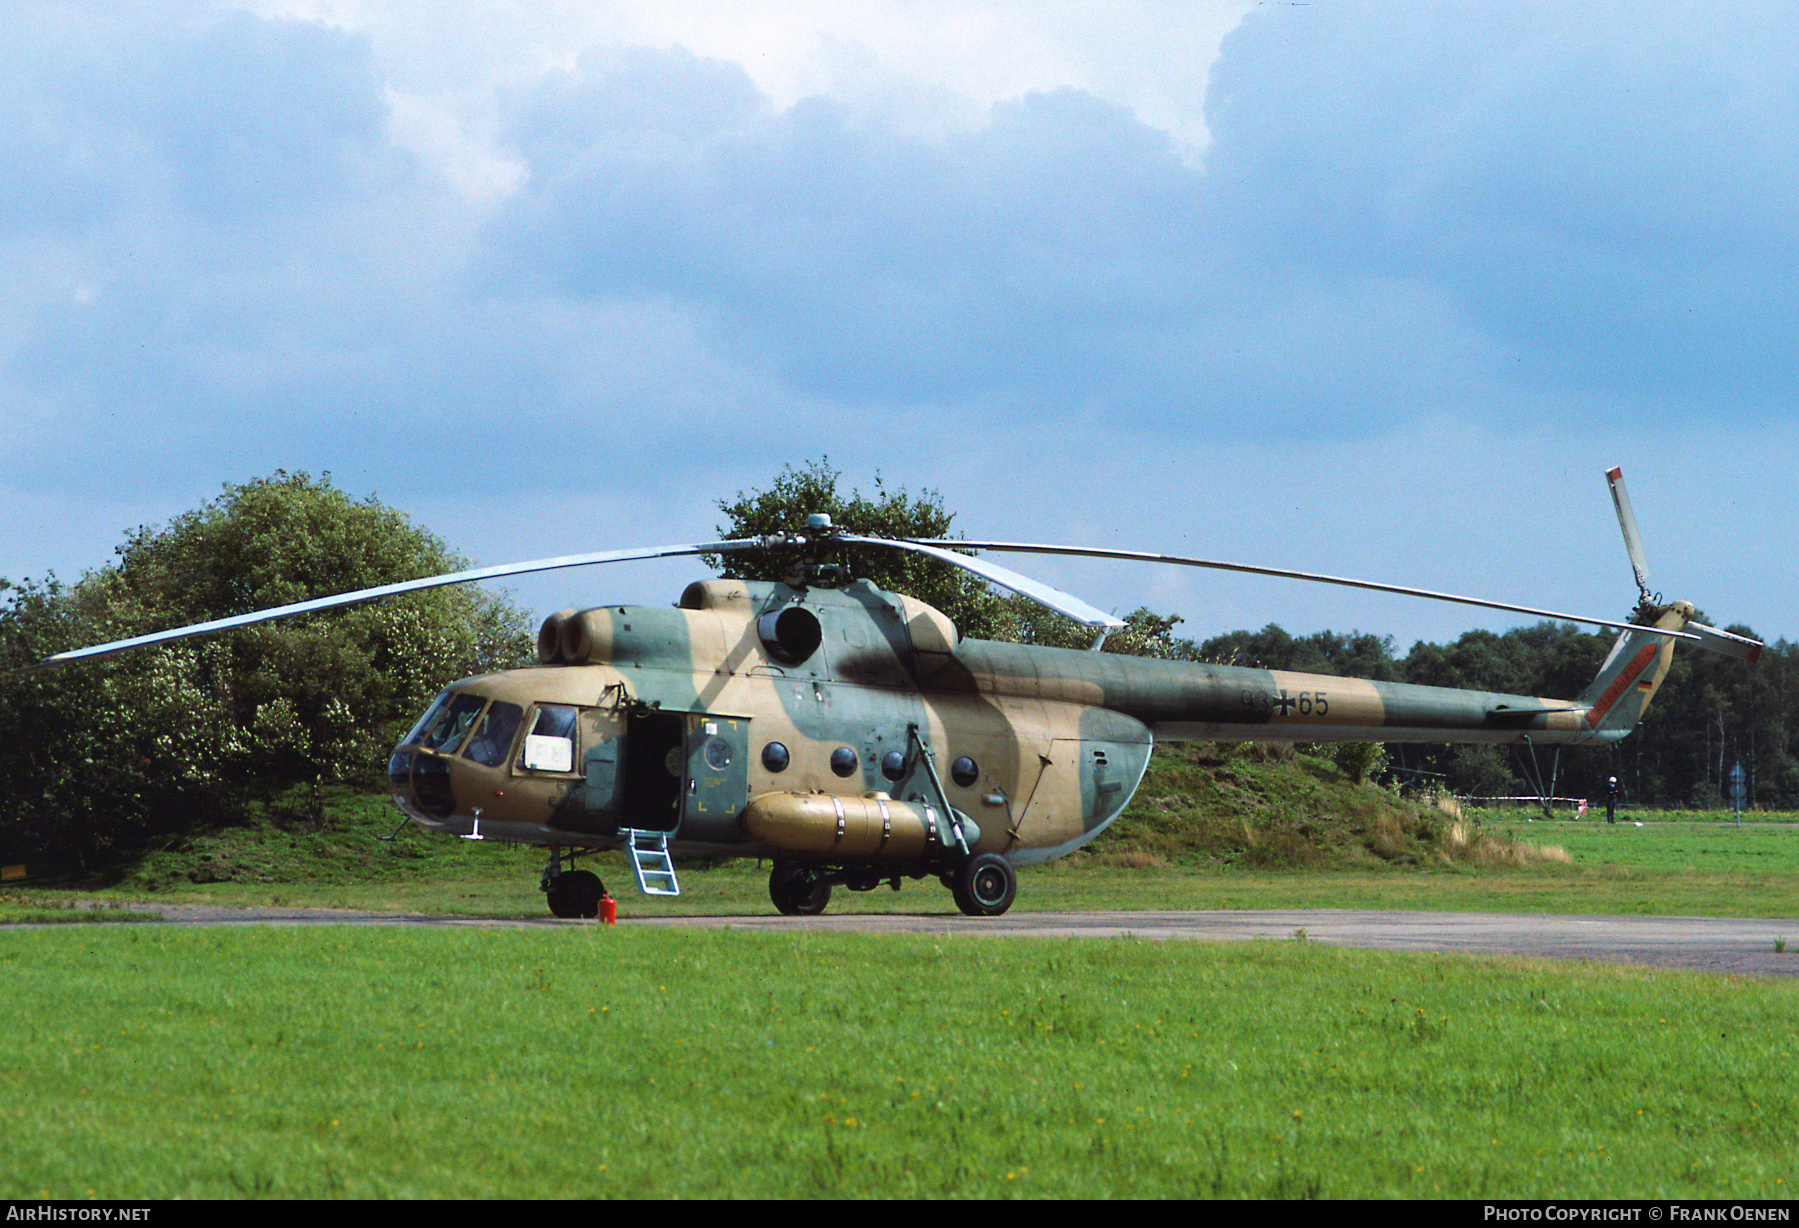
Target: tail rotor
1649 605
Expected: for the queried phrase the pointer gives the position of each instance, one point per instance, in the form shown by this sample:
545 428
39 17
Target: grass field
155 1062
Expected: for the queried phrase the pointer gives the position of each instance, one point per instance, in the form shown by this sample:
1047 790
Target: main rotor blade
1062 603
1216 565
1627 520
391 590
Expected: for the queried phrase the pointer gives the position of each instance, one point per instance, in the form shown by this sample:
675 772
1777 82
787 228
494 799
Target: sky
1376 290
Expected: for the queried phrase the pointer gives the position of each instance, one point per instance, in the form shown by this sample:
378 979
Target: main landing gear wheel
798 891
985 885
575 893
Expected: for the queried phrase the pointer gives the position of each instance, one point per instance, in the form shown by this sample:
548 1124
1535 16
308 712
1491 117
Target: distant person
1611 800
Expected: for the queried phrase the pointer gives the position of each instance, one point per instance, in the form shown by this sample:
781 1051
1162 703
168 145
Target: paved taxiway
1708 944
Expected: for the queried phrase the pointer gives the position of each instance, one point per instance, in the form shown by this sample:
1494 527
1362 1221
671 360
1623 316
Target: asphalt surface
1703 944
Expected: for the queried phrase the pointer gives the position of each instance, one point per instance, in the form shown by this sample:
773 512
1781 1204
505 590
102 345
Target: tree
1144 634
96 758
1269 648
799 493
1356 655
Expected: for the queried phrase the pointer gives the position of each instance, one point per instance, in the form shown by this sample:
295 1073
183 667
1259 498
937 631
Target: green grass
506 886
1687 845
51 908
151 1062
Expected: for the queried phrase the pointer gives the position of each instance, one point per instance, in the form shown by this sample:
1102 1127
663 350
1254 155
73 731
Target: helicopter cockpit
484 761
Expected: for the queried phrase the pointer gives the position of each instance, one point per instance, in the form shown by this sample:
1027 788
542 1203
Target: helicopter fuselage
677 720
849 727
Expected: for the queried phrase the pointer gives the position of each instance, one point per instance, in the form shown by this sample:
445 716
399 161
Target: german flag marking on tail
1626 676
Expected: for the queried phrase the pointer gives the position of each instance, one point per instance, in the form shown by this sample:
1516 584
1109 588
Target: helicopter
850 735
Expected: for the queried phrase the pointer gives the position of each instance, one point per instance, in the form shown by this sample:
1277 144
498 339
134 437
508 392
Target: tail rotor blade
1627 520
1729 643
1726 642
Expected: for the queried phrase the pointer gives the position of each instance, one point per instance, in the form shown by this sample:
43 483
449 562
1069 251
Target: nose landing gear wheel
798 891
985 885
575 894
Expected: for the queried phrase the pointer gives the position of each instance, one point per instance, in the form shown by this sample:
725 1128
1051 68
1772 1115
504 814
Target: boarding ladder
650 861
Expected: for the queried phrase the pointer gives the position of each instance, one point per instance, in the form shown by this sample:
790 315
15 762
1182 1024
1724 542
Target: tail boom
1183 701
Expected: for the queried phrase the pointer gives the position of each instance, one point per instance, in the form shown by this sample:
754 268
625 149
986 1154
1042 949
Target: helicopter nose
420 781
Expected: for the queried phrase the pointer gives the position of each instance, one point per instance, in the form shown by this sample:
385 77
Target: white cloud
431 130
918 67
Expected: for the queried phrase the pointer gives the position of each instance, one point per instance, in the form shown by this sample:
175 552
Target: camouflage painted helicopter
850 736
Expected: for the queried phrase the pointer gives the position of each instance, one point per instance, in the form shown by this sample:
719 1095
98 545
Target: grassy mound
333 837
1270 806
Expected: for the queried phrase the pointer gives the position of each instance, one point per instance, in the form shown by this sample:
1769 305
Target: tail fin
1632 673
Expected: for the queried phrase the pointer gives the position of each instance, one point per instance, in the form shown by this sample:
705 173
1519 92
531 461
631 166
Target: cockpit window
445 725
550 743
424 722
493 736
